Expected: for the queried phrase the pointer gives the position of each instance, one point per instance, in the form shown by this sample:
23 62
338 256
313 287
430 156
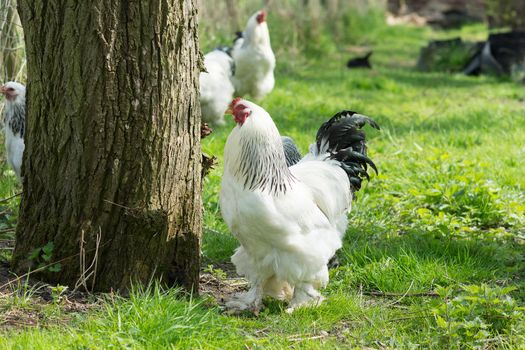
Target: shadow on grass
433 80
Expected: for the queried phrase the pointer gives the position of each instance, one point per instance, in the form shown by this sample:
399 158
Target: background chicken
216 88
289 220
254 59
14 123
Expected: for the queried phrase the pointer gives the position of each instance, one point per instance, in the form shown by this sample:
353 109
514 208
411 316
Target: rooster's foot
305 296
248 301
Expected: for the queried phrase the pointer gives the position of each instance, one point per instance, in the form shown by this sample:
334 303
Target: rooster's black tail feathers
342 137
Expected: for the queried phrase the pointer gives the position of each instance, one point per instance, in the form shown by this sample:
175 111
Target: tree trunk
113 143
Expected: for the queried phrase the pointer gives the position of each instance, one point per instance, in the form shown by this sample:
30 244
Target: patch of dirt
26 302
221 289
227 267
221 281
19 318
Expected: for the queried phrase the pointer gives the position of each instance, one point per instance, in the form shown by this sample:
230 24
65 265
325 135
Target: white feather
216 88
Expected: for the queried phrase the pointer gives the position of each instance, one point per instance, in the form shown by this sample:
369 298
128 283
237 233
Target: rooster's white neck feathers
254 155
256 34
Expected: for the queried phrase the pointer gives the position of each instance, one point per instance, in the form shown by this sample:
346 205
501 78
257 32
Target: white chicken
254 59
289 220
14 123
216 88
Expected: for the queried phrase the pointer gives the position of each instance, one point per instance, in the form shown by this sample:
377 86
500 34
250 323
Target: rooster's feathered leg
247 301
305 294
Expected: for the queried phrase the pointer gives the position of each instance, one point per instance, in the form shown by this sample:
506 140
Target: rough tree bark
113 142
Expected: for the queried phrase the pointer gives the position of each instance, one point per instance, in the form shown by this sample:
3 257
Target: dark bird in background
484 62
360 62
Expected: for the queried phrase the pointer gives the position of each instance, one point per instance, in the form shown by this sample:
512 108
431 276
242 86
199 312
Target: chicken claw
248 301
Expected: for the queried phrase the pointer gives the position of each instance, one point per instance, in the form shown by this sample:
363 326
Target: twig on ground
8 198
296 338
5 230
407 318
403 296
44 267
238 284
386 294
119 205
213 231
262 330
91 270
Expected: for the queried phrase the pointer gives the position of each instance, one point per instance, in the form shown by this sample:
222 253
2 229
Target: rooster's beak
3 90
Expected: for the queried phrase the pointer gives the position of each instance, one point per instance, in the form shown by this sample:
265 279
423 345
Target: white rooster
289 220
254 59
14 123
216 88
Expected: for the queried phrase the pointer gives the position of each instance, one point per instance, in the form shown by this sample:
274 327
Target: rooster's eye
10 89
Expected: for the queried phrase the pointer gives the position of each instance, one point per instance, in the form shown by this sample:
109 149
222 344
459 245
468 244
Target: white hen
14 123
216 88
289 220
254 59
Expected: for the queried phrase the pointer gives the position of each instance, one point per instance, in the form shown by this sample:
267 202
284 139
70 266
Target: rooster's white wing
329 186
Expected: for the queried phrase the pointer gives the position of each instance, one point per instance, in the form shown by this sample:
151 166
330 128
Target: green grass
444 218
8 208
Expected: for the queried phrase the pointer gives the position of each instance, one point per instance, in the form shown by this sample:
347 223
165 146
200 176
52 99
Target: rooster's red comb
234 102
261 17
